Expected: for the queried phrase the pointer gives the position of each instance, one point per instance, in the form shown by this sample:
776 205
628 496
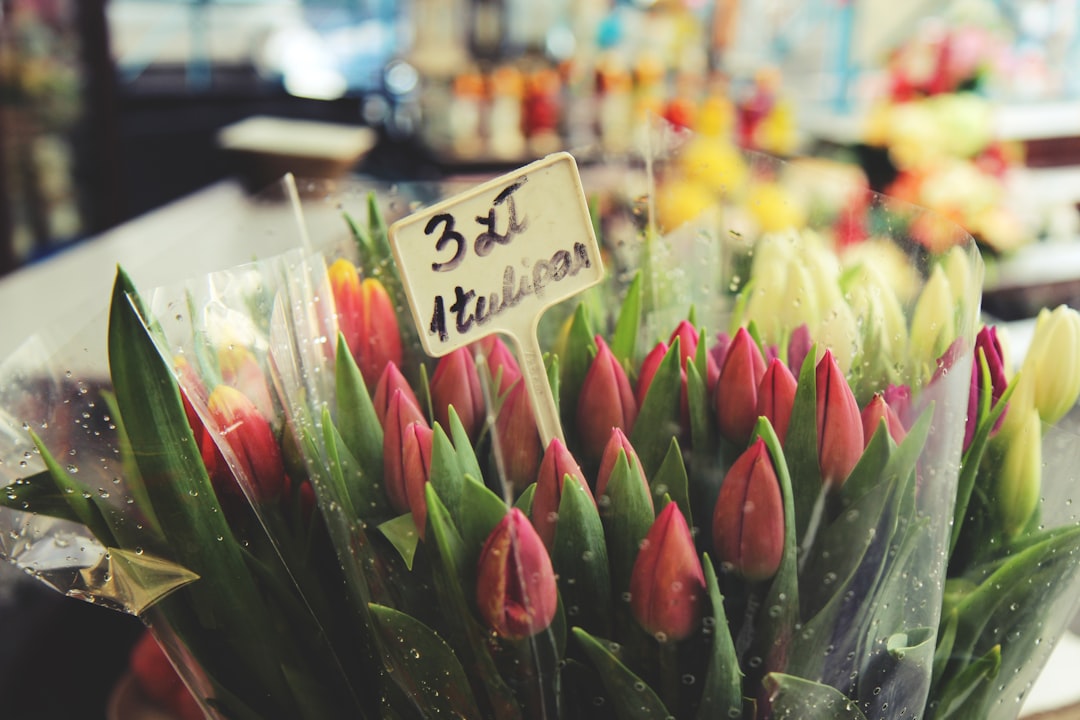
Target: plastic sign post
492 259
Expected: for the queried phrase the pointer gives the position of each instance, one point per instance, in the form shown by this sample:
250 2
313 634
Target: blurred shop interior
111 110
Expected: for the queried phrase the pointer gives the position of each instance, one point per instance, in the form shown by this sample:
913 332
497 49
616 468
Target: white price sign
494 258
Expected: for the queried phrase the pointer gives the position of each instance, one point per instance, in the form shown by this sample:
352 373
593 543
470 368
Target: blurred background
123 122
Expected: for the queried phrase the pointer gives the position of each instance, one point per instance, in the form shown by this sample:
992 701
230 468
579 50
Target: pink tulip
515 582
400 416
667 584
748 521
456 384
518 440
776 397
876 411
606 401
839 423
736 390
617 442
390 381
557 464
649 366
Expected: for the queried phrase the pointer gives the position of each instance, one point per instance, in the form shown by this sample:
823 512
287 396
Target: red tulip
667 584
400 415
251 442
736 390
518 440
606 401
617 442
748 521
456 383
557 464
839 423
876 411
776 397
390 381
367 320
515 582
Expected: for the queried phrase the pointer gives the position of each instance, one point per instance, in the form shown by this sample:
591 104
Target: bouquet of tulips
794 480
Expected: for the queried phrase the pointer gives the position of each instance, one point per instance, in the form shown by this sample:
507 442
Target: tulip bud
736 390
839 424
932 323
748 521
517 439
718 352
416 470
776 397
456 383
667 584
1021 472
240 369
557 464
390 381
606 401
400 415
367 320
648 369
799 345
688 345
500 361
248 436
986 346
1050 364
876 411
898 397
618 441
515 582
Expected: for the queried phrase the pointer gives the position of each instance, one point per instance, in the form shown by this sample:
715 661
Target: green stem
669 675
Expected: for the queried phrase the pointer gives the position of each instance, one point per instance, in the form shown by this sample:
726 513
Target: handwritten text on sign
493 258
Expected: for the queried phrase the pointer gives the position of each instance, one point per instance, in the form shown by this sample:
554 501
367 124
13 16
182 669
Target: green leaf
580 559
423 664
721 696
658 419
482 510
337 465
800 447
580 349
38 494
631 698
465 453
671 479
362 237
626 510
525 500
402 534
83 506
624 341
697 395
801 699
356 418
446 474
956 701
782 600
